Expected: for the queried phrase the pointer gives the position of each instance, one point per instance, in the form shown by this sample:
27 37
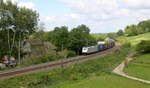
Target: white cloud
91 5
49 19
137 4
95 9
13 1
106 15
73 16
28 5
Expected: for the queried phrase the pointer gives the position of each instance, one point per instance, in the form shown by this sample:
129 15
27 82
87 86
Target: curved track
51 65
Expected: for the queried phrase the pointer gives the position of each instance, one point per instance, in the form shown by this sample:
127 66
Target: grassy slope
140 67
103 81
113 80
80 71
134 39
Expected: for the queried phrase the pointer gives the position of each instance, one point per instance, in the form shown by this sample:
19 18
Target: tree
144 46
26 23
7 25
120 32
18 23
80 37
145 26
132 30
59 37
112 35
40 34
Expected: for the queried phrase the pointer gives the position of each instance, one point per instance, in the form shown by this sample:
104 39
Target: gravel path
119 69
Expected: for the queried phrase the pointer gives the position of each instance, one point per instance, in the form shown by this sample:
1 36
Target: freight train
109 43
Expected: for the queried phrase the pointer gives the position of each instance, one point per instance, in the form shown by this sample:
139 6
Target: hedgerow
144 46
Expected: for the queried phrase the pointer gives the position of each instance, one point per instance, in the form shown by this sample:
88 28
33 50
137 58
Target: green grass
134 39
97 36
140 67
103 81
145 59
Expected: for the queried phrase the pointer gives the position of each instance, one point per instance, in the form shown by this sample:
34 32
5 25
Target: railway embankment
52 65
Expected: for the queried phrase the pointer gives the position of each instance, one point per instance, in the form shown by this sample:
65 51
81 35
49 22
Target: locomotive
100 46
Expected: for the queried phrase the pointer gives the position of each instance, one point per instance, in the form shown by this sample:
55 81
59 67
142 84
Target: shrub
143 46
76 76
127 44
71 54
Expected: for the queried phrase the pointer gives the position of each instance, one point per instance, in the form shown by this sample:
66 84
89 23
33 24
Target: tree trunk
19 46
14 36
8 35
62 65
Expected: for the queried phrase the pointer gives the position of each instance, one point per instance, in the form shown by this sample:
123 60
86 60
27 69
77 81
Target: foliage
16 23
127 44
120 32
71 54
145 26
112 35
140 28
144 46
59 37
51 56
79 37
40 35
133 30
73 40
100 37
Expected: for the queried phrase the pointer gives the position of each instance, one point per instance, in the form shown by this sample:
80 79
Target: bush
127 44
143 46
71 54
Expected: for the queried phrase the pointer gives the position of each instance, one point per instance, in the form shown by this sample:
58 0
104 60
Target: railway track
51 65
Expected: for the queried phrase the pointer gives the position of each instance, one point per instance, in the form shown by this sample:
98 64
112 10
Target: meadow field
103 81
134 39
140 67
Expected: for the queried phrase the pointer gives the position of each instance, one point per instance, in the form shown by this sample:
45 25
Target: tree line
132 30
72 40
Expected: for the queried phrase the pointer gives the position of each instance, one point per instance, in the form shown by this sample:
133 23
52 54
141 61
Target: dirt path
119 69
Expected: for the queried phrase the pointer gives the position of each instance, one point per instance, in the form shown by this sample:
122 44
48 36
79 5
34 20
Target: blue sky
101 16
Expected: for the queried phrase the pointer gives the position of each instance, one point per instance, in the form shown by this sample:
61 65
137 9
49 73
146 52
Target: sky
101 16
